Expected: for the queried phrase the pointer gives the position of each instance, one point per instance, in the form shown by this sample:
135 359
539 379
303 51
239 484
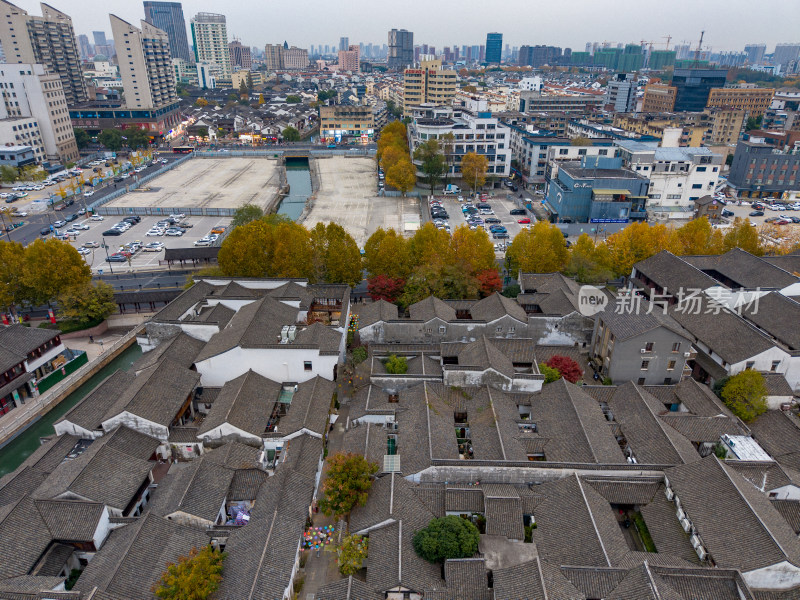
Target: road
35 222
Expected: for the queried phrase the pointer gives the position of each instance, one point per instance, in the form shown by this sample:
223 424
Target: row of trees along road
393 157
52 271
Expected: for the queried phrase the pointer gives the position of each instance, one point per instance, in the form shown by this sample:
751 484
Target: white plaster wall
199 331
227 430
137 423
786 492
70 428
780 576
102 530
278 364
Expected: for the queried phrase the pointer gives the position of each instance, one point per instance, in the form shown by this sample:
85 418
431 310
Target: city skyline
725 29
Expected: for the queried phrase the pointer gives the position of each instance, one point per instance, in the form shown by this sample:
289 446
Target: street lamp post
110 268
3 216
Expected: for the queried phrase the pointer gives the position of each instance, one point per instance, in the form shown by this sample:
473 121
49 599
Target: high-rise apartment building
145 64
295 58
755 53
621 93
210 39
102 45
401 49
168 17
349 60
48 40
240 56
99 38
429 84
693 86
785 54
273 57
84 47
344 43
31 91
494 48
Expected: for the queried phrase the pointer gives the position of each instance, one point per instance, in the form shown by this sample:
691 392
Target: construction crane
668 38
699 46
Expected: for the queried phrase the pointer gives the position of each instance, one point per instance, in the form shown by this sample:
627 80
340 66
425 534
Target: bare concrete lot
208 183
348 196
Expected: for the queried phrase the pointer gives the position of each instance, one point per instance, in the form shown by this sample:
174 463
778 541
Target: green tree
137 138
202 132
293 99
245 214
290 134
432 163
8 174
429 246
87 302
266 248
81 138
753 123
746 394
347 483
402 176
351 554
447 537
51 268
550 374
193 577
386 253
541 249
336 256
443 281
111 139
243 91
473 170
396 365
742 235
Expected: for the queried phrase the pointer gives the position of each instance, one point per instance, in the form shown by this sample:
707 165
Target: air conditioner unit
670 494
687 354
644 350
680 514
686 524
696 543
701 553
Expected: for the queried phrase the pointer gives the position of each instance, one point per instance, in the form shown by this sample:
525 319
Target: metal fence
21 417
276 152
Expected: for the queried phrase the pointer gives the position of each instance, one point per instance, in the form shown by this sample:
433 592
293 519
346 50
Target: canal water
17 450
298 177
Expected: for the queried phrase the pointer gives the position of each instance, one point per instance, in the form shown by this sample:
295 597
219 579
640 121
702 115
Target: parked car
518 211
72 232
45 231
82 211
96 218
133 219
117 257
59 224
757 213
153 247
155 232
71 218
500 235
91 245
525 221
112 232
80 226
727 213
173 231
84 251
203 242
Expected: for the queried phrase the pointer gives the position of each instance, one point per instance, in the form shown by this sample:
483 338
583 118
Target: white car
96 218
49 182
72 232
203 242
88 193
175 232
38 187
20 214
91 245
155 232
178 216
81 226
153 247
84 251
4 195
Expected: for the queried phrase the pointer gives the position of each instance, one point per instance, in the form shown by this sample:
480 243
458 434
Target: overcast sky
729 24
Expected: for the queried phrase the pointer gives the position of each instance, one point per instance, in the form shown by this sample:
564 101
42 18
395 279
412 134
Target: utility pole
110 268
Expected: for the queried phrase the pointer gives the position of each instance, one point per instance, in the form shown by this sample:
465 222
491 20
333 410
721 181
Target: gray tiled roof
625 326
246 483
777 431
374 312
777 315
302 454
504 517
70 520
29 587
220 314
132 442
705 485
496 306
391 497
431 308
327 339
593 582
89 412
23 529
235 456
133 557
744 269
175 309
181 348
673 273
245 403
777 385
650 439
641 584
467 578
701 583
625 491
534 580
665 529
552 292
206 490
309 408
790 510
464 499
703 429
575 525
347 589
574 425
20 340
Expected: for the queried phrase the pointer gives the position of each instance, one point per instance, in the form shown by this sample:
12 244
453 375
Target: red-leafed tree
569 369
381 287
489 281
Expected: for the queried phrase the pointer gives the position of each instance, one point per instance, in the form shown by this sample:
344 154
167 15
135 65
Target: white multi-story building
23 131
145 64
210 39
474 130
30 91
678 176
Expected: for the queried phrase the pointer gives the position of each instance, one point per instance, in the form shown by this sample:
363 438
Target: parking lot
502 204
348 196
201 226
207 183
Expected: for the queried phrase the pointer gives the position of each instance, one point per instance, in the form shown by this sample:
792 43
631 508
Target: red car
524 221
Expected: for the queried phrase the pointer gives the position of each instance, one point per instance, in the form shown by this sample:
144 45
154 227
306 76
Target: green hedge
45 383
70 326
